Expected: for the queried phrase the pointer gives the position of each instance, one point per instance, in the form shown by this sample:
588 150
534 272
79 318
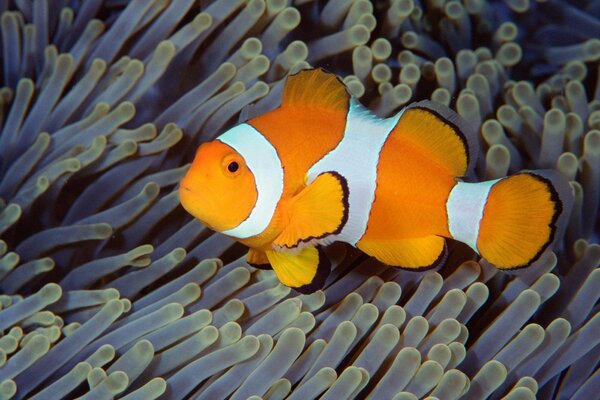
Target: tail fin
523 215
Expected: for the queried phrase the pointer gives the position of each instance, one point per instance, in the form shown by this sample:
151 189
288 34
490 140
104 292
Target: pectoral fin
320 209
304 270
414 253
258 259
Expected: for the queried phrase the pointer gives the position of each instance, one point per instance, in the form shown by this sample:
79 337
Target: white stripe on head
264 163
356 158
465 210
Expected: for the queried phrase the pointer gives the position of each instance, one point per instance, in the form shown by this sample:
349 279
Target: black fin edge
463 129
558 211
323 270
260 266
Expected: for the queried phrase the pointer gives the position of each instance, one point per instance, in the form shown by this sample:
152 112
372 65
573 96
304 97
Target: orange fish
322 168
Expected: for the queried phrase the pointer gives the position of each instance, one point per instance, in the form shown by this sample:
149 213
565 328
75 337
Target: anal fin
304 270
413 253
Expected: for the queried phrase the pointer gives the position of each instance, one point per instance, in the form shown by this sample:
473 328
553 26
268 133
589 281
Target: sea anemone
108 288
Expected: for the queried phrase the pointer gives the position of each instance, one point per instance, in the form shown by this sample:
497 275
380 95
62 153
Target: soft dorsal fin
442 132
315 88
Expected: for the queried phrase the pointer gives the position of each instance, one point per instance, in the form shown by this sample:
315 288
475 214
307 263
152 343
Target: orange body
321 168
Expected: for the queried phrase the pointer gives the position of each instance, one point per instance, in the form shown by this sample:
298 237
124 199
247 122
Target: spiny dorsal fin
315 88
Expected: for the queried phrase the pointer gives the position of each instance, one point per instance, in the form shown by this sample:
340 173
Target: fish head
219 189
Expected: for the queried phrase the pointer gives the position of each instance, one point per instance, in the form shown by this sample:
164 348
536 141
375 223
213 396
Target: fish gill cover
109 289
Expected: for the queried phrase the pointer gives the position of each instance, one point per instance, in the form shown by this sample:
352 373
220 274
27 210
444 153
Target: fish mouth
190 201
185 188
186 196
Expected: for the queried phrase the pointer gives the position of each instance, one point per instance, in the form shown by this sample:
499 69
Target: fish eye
233 166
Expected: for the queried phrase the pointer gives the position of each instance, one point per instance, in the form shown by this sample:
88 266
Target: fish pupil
233 166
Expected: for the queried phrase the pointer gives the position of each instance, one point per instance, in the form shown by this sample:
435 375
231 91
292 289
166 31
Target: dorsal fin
315 88
442 132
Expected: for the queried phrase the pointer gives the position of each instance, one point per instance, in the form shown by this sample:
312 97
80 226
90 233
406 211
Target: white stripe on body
465 210
264 163
356 158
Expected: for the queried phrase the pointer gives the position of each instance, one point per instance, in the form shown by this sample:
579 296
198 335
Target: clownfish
322 168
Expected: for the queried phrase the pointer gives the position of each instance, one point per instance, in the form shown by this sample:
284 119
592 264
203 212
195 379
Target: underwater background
108 289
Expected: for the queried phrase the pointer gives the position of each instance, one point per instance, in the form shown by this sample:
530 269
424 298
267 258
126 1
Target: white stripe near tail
465 210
